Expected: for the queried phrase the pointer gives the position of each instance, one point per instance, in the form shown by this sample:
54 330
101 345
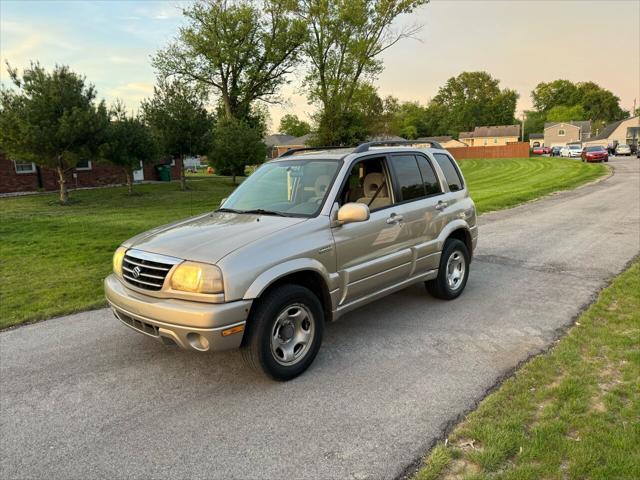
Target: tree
236 144
353 123
292 125
472 99
179 120
345 41
51 119
598 104
128 142
562 113
410 120
240 50
559 92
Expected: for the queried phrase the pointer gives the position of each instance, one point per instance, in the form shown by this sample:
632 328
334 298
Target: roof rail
288 153
364 147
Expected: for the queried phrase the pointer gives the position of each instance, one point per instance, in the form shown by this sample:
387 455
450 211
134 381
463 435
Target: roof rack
364 147
288 153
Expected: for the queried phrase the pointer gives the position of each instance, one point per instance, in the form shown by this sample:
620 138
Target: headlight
197 277
118 256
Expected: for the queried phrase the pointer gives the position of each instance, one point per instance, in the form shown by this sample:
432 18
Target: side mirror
353 212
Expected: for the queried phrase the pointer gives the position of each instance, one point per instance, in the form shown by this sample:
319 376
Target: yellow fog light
197 277
118 256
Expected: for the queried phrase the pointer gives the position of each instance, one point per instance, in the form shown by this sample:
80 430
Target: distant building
278 143
22 176
536 140
558 134
491 136
625 131
446 141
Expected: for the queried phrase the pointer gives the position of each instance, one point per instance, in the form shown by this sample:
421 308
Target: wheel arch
307 273
460 231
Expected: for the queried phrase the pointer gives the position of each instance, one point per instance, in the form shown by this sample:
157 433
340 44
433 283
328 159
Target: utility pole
522 130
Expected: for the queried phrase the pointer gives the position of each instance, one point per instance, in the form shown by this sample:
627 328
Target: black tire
439 287
256 348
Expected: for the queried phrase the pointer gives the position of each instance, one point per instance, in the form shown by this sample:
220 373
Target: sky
519 42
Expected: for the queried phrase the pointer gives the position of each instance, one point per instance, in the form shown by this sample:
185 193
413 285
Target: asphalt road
85 397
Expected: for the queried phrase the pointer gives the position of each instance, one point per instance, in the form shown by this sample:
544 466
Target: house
559 134
536 140
20 176
490 136
446 141
278 143
620 132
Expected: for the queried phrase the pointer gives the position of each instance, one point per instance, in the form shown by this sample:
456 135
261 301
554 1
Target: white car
623 149
571 151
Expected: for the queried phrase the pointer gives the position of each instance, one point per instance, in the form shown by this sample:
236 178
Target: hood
207 238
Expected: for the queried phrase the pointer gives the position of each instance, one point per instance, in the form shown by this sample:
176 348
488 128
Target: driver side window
368 183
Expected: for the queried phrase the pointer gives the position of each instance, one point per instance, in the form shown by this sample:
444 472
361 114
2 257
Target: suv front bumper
190 325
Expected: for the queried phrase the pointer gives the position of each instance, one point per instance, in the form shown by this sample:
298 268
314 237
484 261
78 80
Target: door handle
441 205
394 218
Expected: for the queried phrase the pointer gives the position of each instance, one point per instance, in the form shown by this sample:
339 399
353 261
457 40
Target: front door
374 254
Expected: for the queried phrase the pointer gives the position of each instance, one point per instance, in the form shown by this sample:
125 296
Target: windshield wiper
229 210
261 211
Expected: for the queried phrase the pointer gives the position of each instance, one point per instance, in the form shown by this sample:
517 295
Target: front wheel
284 332
453 271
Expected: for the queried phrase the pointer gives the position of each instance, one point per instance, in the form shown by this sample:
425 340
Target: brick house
17 176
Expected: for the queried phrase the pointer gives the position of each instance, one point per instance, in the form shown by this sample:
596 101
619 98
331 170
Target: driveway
83 396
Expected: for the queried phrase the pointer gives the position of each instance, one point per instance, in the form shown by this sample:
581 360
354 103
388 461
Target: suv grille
144 273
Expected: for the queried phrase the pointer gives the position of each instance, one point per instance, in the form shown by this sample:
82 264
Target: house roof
277 139
609 129
536 135
440 139
386 138
583 125
493 131
298 141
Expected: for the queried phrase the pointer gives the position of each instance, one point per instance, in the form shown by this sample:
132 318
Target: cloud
131 93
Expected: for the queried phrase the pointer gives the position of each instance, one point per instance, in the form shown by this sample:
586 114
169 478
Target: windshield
575 147
290 188
594 149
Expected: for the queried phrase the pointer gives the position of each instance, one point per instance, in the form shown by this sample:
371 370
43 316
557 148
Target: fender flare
457 224
271 275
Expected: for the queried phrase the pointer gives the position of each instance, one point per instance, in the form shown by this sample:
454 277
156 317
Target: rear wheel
453 271
284 332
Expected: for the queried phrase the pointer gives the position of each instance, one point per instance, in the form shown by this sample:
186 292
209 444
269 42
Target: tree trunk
183 179
129 182
233 178
64 194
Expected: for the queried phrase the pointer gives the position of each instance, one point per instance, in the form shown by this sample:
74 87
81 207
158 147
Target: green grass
53 258
572 413
503 183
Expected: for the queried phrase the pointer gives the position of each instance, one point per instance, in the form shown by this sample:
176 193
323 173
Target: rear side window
408 176
431 183
450 171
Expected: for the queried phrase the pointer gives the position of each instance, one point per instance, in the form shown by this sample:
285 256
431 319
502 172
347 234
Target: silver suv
308 237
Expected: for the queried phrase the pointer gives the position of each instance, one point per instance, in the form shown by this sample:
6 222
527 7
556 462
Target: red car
541 150
594 154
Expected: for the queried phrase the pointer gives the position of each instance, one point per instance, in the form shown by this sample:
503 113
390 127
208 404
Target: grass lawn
572 413
53 258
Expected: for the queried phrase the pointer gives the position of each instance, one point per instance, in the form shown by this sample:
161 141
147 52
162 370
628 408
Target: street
83 396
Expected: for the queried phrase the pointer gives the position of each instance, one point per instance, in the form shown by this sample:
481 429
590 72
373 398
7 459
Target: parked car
308 237
542 150
595 154
571 151
555 151
623 149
